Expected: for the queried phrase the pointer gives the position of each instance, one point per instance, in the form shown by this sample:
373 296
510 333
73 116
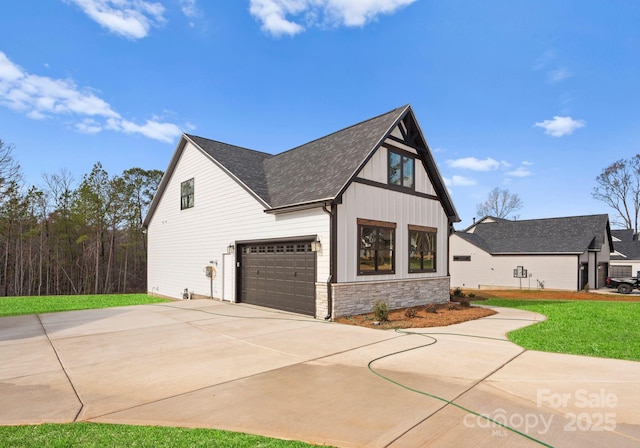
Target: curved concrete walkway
212 364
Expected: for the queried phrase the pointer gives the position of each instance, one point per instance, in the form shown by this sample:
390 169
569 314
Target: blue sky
533 96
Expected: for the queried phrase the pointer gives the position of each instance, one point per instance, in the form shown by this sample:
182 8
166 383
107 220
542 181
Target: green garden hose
386 378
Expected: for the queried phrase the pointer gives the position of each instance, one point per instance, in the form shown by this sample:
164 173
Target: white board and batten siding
362 201
486 271
183 242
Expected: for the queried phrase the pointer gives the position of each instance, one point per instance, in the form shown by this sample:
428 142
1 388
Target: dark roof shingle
319 169
568 235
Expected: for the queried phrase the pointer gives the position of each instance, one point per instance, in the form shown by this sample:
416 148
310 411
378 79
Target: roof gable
568 235
318 171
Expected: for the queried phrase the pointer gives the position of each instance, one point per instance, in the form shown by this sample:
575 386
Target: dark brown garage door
279 275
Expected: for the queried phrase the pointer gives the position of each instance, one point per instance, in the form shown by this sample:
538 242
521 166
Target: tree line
73 237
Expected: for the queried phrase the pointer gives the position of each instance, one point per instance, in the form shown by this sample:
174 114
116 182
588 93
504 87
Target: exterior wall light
316 246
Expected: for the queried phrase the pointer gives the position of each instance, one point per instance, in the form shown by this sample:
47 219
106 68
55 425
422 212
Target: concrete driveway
210 364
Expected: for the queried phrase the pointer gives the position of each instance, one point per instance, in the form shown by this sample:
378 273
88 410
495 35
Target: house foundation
350 299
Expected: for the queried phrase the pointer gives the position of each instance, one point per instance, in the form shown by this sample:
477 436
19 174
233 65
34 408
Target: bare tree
499 203
9 169
618 186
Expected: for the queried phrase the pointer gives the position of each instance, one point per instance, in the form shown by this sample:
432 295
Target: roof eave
299 206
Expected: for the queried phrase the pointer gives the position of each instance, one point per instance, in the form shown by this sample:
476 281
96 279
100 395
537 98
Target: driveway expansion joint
55 351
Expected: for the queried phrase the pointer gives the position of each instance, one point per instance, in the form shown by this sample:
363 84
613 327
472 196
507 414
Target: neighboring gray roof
630 250
624 234
316 171
568 235
628 246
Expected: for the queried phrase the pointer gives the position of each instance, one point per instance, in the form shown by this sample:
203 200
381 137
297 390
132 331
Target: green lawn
591 328
87 435
15 306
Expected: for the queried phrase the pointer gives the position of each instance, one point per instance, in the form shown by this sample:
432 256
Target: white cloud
40 97
471 163
284 16
557 75
165 132
191 11
129 18
459 181
546 62
519 172
560 126
189 8
88 126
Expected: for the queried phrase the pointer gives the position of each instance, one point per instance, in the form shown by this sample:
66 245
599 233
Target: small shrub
472 295
464 303
453 306
431 308
457 292
586 288
381 311
410 313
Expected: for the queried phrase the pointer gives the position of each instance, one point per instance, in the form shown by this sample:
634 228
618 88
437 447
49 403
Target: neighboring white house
324 229
557 253
625 261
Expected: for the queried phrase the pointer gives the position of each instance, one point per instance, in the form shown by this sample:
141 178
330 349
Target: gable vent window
462 258
422 249
401 170
186 194
377 247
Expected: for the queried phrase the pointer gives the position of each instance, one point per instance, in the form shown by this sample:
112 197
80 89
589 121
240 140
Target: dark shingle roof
315 172
568 235
623 234
319 169
246 164
630 250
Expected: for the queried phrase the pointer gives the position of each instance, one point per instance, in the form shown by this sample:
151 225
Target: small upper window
401 170
186 194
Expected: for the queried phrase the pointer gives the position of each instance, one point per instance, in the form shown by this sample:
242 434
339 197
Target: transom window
401 169
376 247
422 249
186 194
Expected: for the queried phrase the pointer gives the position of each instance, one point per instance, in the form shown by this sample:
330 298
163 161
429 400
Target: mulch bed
446 314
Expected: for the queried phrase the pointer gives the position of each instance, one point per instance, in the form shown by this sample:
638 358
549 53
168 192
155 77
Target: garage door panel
279 275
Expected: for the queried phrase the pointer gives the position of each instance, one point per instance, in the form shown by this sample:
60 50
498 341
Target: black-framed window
186 194
376 247
422 249
401 169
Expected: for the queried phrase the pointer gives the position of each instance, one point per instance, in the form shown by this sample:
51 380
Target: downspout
451 232
332 256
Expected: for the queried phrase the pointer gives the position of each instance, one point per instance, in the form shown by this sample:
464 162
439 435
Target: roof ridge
503 220
229 144
342 130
